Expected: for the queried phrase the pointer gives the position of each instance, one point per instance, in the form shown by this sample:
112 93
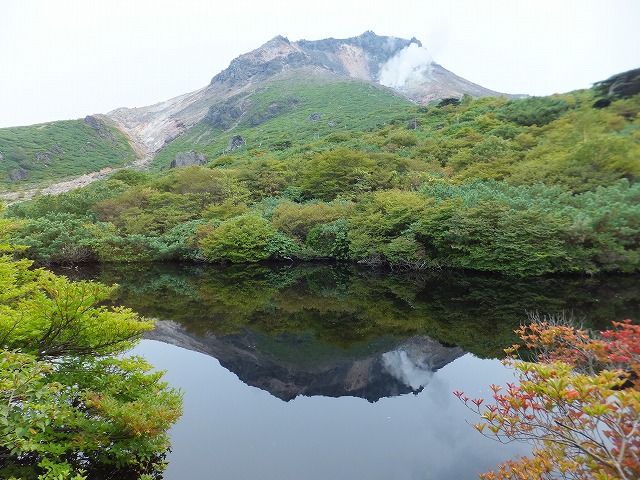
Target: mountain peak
271 58
278 39
363 57
402 65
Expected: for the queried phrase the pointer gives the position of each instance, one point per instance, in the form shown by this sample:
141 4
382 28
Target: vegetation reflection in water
344 310
303 330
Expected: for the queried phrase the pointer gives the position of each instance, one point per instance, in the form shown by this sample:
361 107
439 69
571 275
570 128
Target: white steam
413 372
410 63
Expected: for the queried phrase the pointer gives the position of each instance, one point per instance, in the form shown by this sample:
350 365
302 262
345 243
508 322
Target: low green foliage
533 111
71 406
380 227
341 172
146 211
79 203
330 240
55 150
240 239
521 187
57 238
297 219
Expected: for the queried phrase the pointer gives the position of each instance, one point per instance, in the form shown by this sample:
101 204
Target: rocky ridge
366 57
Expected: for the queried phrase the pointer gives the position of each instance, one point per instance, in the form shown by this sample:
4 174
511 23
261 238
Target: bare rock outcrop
184 159
18 175
100 127
236 142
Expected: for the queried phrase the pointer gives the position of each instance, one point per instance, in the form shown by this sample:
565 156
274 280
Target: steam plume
409 63
413 372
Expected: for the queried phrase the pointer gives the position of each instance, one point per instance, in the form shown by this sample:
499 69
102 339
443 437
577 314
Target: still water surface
315 372
234 431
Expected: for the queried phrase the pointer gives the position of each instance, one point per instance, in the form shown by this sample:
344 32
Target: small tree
579 405
71 405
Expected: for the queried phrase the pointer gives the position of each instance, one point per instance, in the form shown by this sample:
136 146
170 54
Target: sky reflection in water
234 431
313 335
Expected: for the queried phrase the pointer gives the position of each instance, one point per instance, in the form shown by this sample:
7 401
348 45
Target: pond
316 372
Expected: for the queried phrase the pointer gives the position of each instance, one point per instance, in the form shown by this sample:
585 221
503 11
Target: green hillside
520 187
288 113
52 151
560 140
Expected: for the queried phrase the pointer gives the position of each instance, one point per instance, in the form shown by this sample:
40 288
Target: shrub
239 239
533 111
330 240
579 404
297 220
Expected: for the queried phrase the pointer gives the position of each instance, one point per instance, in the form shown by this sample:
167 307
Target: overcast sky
68 58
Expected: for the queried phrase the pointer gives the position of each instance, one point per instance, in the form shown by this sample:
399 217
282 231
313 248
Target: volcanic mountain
284 94
388 66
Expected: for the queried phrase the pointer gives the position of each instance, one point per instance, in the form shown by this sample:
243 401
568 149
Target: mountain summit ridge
404 66
357 57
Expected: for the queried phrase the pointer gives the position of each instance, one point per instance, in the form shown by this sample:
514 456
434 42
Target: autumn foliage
578 404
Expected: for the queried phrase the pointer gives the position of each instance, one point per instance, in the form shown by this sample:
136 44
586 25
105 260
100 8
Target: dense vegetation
71 404
50 151
521 187
577 405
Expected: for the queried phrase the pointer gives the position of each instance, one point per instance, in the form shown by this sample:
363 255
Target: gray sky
68 58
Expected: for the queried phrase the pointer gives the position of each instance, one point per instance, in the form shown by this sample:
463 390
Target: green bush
130 177
330 240
143 211
57 238
72 404
281 247
337 172
297 220
533 111
240 239
381 217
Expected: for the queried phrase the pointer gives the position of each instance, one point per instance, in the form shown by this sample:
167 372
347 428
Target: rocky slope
393 66
401 65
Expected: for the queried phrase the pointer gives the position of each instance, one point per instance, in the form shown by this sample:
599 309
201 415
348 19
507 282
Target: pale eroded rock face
149 128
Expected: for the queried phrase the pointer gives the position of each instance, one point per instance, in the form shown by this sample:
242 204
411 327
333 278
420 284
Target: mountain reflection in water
406 368
320 337
334 331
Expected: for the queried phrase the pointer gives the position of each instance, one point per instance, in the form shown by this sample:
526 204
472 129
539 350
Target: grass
56 150
278 118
